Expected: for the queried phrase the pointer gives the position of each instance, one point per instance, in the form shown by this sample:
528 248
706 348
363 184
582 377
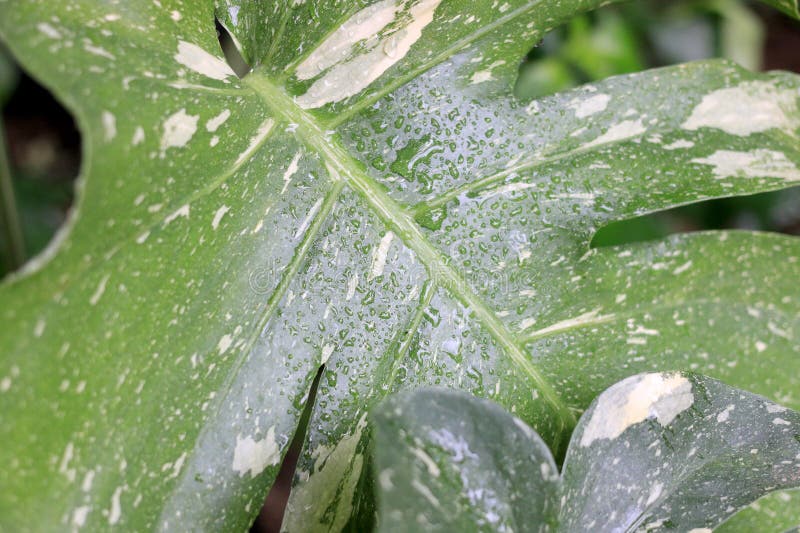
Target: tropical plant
371 203
654 452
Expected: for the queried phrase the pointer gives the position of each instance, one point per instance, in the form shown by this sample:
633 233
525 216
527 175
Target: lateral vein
342 163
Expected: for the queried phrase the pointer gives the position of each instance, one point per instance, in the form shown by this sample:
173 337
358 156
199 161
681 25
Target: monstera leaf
373 199
655 452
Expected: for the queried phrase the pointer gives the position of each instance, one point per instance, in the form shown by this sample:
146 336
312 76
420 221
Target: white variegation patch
362 26
621 131
659 396
384 38
379 255
586 107
192 56
109 126
254 456
332 481
759 163
217 121
751 107
178 130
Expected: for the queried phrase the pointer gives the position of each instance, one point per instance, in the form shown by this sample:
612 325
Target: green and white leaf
655 452
371 197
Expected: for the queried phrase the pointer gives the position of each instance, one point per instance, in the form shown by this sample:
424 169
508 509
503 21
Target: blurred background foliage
44 150
646 34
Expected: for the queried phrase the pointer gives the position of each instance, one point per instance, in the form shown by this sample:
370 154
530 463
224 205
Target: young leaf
448 461
371 197
655 452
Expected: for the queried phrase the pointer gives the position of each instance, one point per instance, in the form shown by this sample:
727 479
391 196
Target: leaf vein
343 164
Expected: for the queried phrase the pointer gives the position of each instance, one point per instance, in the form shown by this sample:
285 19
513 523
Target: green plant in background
633 36
40 170
630 37
373 199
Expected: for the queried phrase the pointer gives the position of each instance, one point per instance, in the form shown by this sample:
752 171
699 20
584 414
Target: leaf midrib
340 162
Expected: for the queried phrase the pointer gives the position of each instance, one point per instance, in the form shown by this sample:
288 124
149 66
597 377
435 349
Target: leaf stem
12 229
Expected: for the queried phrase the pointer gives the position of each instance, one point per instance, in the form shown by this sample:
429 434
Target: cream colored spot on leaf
379 51
683 268
182 211
178 466
759 163
680 143
218 216
327 350
101 288
254 456
115 513
178 130
109 126
200 61
430 465
379 255
256 140
224 343
723 415
364 25
751 107
626 129
590 317
352 285
655 493
291 170
331 484
63 467
309 217
507 189
79 516
98 51
589 106
481 76
659 396
217 121
138 136
48 30
86 486
38 328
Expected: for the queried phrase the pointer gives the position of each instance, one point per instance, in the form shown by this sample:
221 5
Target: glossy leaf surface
372 197
655 452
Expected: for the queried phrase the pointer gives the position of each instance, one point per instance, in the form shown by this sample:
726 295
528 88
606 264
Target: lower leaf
658 451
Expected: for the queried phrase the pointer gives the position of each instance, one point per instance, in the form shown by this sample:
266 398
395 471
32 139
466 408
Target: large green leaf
655 452
372 197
